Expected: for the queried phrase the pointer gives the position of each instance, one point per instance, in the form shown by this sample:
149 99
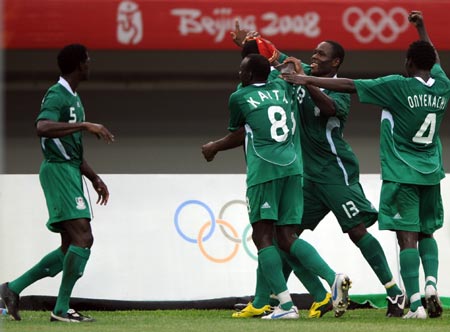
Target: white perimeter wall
139 254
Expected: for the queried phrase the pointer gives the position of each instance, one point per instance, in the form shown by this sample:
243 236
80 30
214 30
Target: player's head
74 57
255 68
327 57
420 55
250 47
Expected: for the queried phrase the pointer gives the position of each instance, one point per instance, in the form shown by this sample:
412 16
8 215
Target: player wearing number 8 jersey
274 193
273 169
411 162
270 151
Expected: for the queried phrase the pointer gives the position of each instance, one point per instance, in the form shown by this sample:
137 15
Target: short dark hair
250 47
422 54
338 50
259 66
70 57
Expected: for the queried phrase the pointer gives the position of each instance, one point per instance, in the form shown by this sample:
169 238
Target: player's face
322 62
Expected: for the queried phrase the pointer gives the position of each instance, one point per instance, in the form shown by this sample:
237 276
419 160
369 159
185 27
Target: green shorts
348 203
63 190
410 207
280 200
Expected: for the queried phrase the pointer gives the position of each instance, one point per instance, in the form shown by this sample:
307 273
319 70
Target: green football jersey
265 111
327 157
62 105
274 74
410 147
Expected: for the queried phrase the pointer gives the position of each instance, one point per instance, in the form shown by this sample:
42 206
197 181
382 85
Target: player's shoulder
438 73
237 96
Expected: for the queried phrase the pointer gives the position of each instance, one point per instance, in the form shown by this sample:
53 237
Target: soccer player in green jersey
59 125
274 193
411 159
273 170
331 172
305 254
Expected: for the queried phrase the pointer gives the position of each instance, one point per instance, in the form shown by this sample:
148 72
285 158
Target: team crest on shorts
80 203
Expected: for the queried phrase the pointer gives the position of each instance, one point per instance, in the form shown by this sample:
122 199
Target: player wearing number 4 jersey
411 162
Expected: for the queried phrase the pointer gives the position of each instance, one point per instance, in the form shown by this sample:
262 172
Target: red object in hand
266 49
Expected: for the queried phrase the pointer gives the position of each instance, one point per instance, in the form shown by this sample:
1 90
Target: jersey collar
66 84
428 83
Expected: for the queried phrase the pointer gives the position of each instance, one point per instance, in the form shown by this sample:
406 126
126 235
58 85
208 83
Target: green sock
262 291
308 256
48 266
73 268
311 281
374 255
287 266
428 251
269 261
409 270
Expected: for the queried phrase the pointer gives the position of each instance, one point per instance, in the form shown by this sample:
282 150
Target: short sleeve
50 107
237 118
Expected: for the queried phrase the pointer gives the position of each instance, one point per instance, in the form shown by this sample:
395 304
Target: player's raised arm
416 18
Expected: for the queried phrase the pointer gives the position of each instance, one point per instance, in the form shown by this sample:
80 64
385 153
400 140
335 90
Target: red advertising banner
205 24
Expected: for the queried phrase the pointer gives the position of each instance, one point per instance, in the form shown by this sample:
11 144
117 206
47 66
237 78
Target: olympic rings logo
225 227
384 26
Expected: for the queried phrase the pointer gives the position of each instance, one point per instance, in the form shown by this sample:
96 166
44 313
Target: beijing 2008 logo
375 23
210 226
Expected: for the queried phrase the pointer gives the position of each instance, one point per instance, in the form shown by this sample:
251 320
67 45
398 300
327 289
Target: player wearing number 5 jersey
59 126
411 162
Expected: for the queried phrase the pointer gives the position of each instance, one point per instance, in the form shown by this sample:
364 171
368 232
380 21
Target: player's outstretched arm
416 18
230 141
333 84
98 184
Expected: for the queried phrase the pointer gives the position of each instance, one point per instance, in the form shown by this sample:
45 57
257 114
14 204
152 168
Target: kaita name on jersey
427 101
267 96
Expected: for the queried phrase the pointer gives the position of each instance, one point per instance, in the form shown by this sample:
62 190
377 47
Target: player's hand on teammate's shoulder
100 131
297 65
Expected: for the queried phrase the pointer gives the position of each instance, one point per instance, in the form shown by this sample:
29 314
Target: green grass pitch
359 320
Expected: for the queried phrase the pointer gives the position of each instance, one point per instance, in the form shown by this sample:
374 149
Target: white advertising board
154 241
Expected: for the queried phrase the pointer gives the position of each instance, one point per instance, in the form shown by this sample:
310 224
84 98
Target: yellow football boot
318 309
251 311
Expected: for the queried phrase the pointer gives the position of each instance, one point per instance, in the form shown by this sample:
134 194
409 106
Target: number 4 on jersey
428 125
